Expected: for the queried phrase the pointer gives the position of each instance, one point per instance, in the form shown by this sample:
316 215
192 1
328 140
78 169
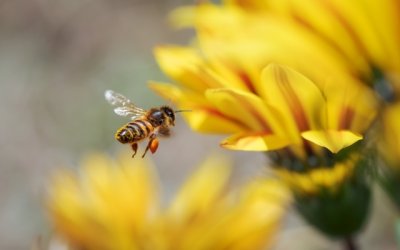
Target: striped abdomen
134 131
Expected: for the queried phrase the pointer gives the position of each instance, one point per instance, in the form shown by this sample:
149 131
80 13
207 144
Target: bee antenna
182 110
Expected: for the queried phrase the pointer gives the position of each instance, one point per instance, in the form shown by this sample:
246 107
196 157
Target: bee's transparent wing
124 106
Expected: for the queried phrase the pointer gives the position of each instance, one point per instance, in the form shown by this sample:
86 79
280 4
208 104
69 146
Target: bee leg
134 148
152 145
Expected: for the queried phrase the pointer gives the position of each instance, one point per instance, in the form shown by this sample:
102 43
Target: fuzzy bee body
134 131
144 124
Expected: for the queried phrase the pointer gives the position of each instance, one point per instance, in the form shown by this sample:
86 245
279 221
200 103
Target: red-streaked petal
202 117
243 106
207 119
350 106
295 96
255 142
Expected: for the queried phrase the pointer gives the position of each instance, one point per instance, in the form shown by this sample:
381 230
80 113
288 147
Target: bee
145 123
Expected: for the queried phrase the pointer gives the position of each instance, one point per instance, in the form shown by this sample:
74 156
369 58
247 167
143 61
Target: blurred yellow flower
250 38
360 37
389 143
363 33
116 205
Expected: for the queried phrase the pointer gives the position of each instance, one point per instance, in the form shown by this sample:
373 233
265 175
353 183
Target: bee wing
124 106
127 111
116 99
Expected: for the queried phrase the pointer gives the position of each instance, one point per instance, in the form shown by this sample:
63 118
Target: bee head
169 113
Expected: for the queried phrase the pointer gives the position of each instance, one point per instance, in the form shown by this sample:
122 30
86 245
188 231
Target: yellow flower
116 205
226 78
282 107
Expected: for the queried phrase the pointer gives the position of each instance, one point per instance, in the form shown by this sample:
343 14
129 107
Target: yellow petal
261 209
389 147
294 95
184 65
384 15
332 16
207 119
122 198
350 106
271 189
256 40
197 195
245 107
360 22
332 139
167 91
139 185
253 5
203 117
254 142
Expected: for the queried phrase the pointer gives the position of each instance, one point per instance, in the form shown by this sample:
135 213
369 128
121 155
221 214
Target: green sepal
339 213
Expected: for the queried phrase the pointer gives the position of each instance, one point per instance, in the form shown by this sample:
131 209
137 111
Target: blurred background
57 59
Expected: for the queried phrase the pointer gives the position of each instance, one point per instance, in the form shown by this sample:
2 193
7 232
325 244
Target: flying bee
145 123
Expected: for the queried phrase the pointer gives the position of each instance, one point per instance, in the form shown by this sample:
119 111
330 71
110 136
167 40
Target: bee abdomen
144 127
125 135
134 131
